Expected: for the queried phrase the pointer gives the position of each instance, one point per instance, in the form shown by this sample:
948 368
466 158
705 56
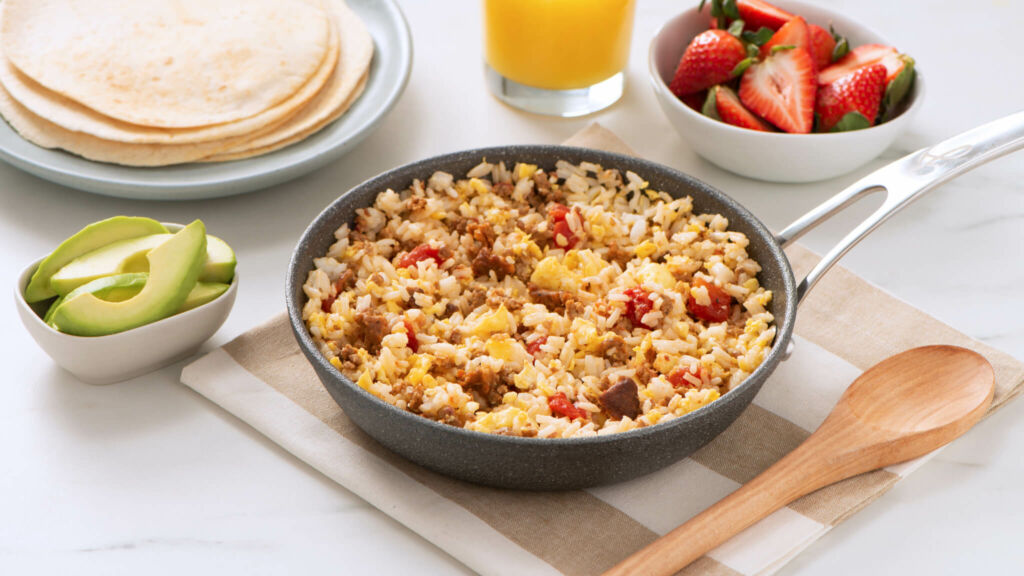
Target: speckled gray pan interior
537 463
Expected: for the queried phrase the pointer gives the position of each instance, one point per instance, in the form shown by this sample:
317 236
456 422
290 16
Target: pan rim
293 288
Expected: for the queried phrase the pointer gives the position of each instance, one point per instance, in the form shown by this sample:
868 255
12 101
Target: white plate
389 73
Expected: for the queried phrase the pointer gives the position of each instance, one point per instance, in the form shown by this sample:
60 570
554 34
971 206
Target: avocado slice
86 240
203 293
174 270
120 287
116 288
220 262
130 256
115 258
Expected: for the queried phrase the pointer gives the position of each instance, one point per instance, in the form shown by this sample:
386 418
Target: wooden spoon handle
780 484
901 408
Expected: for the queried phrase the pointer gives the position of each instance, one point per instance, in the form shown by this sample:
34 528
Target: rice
516 301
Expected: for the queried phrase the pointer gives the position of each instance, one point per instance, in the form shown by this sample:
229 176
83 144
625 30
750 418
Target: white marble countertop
146 476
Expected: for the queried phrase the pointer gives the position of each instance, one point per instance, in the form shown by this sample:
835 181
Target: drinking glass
557 57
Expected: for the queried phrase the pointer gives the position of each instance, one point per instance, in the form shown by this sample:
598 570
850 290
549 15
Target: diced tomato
562 230
718 310
678 379
560 406
410 333
326 304
638 305
419 253
533 347
557 212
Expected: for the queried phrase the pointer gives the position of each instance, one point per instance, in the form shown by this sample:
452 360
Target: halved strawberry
897 88
709 59
824 44
728 108
757 14
695 100
794 33
861 56
859 92
781 90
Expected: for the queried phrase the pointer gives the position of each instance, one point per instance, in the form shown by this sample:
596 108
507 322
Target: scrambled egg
656 274
524 171
495 322
419 372
551 274
510 418
567 273
507 349
645 249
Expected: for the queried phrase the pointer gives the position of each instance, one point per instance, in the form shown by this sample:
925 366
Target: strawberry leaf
842 44
831 30
701 5
759 38
718 12
776 49
742 66
736 28
730 9
753 51
898 88
851 121
710 108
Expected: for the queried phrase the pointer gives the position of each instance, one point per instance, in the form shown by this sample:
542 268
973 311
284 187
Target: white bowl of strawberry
785 92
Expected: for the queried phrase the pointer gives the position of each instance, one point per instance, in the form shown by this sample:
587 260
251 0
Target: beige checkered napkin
845 326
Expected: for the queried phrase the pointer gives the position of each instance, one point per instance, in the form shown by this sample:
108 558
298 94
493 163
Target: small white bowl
776 157
107 359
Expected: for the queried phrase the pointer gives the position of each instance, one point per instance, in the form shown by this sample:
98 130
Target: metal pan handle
903 182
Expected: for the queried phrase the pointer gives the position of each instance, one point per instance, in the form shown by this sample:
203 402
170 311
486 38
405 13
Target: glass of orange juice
558 57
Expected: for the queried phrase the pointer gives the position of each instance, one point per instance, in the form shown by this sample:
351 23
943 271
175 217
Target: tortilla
71 115
341 90
48 135
228 155
180 64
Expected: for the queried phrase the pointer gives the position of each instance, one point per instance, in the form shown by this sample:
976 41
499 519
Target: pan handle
903 182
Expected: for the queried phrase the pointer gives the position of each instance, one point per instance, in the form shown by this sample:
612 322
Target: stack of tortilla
158 82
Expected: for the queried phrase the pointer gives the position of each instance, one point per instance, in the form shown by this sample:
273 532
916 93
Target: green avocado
115 258
130 256
90 238
120 287
174 270
203 293
220 262
116 288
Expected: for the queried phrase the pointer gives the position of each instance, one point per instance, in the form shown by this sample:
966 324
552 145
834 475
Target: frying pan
554 464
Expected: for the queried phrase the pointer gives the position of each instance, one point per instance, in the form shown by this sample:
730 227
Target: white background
145 476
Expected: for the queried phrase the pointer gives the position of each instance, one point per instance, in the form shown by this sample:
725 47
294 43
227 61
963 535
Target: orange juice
558 44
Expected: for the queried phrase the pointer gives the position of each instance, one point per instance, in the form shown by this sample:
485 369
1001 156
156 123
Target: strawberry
824 44
709 59
781 90
859 92
724 105
862 56
757 14
899 73
695 101
793 33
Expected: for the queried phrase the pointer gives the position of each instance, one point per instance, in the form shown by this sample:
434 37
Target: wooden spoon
901 408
